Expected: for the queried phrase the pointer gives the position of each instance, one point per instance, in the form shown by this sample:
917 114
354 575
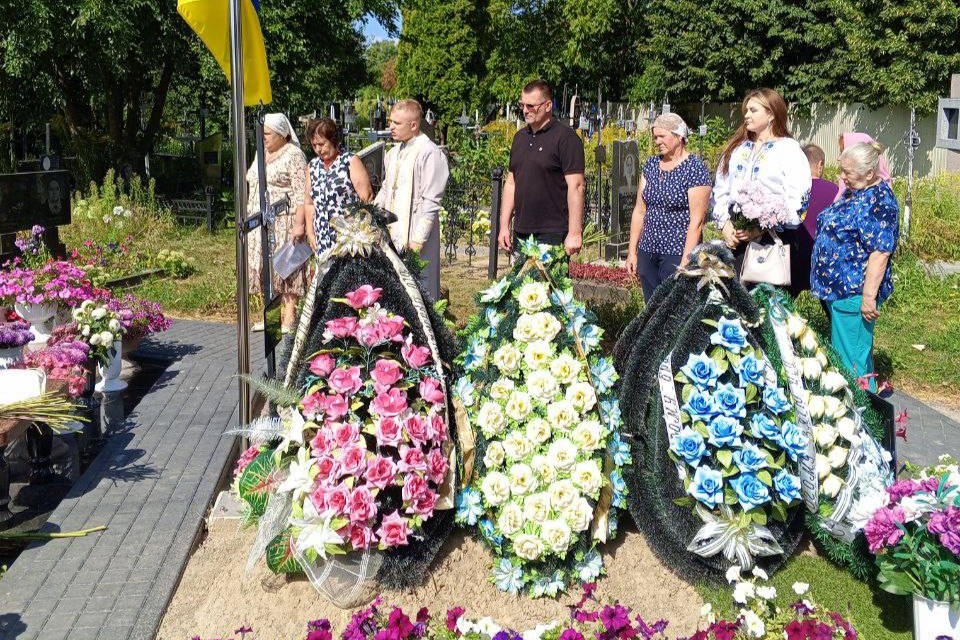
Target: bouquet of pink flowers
755 206
64 360
55 281
365 456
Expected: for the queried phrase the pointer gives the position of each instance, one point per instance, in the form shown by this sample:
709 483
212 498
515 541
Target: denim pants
852 337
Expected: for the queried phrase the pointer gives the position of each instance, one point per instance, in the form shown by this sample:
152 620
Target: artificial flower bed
539 397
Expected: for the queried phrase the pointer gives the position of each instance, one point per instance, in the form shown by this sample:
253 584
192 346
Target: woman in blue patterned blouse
671 206
851 271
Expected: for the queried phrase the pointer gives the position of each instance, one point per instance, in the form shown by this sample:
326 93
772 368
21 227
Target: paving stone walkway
152 485
155 481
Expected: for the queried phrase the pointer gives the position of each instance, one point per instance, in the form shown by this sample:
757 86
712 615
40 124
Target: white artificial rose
538 354
495 488
491 419
811 368
519 406
546 326
542 385
106 338
816 406
587 476
579 515
544 470
533 297
522 480
501 389
833 381
86 305
507 358
561 414
528 547
556 535
494 456
809 340
538 431
582 396
85 331
510 519
566 368
837 457
95 340
536 507
823 466
831 486
563 495
114 325
98 313
822 358
76 314
516 445
526 330
834 408
824 434
588 435
562 454
795 325
847 428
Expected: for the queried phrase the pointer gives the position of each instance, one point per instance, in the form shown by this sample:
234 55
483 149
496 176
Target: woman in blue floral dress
851 272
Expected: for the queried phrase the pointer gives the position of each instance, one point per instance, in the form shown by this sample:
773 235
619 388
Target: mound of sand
216 595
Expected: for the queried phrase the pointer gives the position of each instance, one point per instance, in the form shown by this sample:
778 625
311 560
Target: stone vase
41 318
110 372
933 619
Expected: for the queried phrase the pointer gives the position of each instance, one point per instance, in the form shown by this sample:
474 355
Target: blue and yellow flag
211 21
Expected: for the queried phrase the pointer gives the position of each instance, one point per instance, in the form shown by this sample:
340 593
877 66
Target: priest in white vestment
415 175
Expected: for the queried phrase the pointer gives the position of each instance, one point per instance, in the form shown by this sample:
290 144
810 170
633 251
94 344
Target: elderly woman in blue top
851 271
671 206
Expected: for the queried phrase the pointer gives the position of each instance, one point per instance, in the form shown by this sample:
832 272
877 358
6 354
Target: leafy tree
381 61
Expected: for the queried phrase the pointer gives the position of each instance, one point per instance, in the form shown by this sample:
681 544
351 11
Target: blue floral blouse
860 223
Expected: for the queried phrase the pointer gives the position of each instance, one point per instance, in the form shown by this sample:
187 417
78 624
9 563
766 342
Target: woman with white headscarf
671 207
286 167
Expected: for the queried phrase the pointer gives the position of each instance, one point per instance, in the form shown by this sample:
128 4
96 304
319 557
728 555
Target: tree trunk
156 114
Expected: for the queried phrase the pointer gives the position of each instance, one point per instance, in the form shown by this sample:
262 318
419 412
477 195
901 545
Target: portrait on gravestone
53 197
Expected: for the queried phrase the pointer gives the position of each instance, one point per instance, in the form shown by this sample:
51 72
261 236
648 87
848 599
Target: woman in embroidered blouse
334 181
285 167
762 149
671 206
851 272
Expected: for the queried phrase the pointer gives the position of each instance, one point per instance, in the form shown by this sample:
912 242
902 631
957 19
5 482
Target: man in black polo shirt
545 185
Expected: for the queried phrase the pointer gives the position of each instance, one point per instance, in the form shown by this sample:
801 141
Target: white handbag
769 263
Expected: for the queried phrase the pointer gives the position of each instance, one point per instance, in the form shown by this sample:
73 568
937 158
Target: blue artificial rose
707 487
750 458
689 445
776 400
787 485
701 370
476 352
729 335
464 389
489 531
750 491
619 487
751 371
619 450
469 506
762 426
604 375
724 431
731 401
793 440
701 406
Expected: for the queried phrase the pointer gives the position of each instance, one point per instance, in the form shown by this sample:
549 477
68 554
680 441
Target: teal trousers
852 337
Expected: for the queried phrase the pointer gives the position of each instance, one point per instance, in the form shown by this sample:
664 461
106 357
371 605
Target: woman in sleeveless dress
334 181
285 166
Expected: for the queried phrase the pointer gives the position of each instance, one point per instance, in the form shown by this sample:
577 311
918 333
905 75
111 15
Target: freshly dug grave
216 595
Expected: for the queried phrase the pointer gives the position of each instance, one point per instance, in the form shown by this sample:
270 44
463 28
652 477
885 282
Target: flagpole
240 204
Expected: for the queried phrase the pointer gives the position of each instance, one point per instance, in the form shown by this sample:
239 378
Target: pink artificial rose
328 468
424 505
390 329
313 404
381 472
367 336
901 489
337 407
436 465
361 536
438 428
246 458
322 365
353 461
390 403
337 498
345 380
412 459
341 327
389 433
346 434
413 355
362 506
431 391
417 429
319 499
393 530
322 443
882 529
386 373
363 297
413 486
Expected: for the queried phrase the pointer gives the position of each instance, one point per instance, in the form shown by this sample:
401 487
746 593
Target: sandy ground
216 596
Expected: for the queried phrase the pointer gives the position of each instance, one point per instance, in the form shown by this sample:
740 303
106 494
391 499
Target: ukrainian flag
211 21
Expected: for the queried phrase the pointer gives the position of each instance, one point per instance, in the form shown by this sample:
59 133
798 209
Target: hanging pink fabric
883 171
